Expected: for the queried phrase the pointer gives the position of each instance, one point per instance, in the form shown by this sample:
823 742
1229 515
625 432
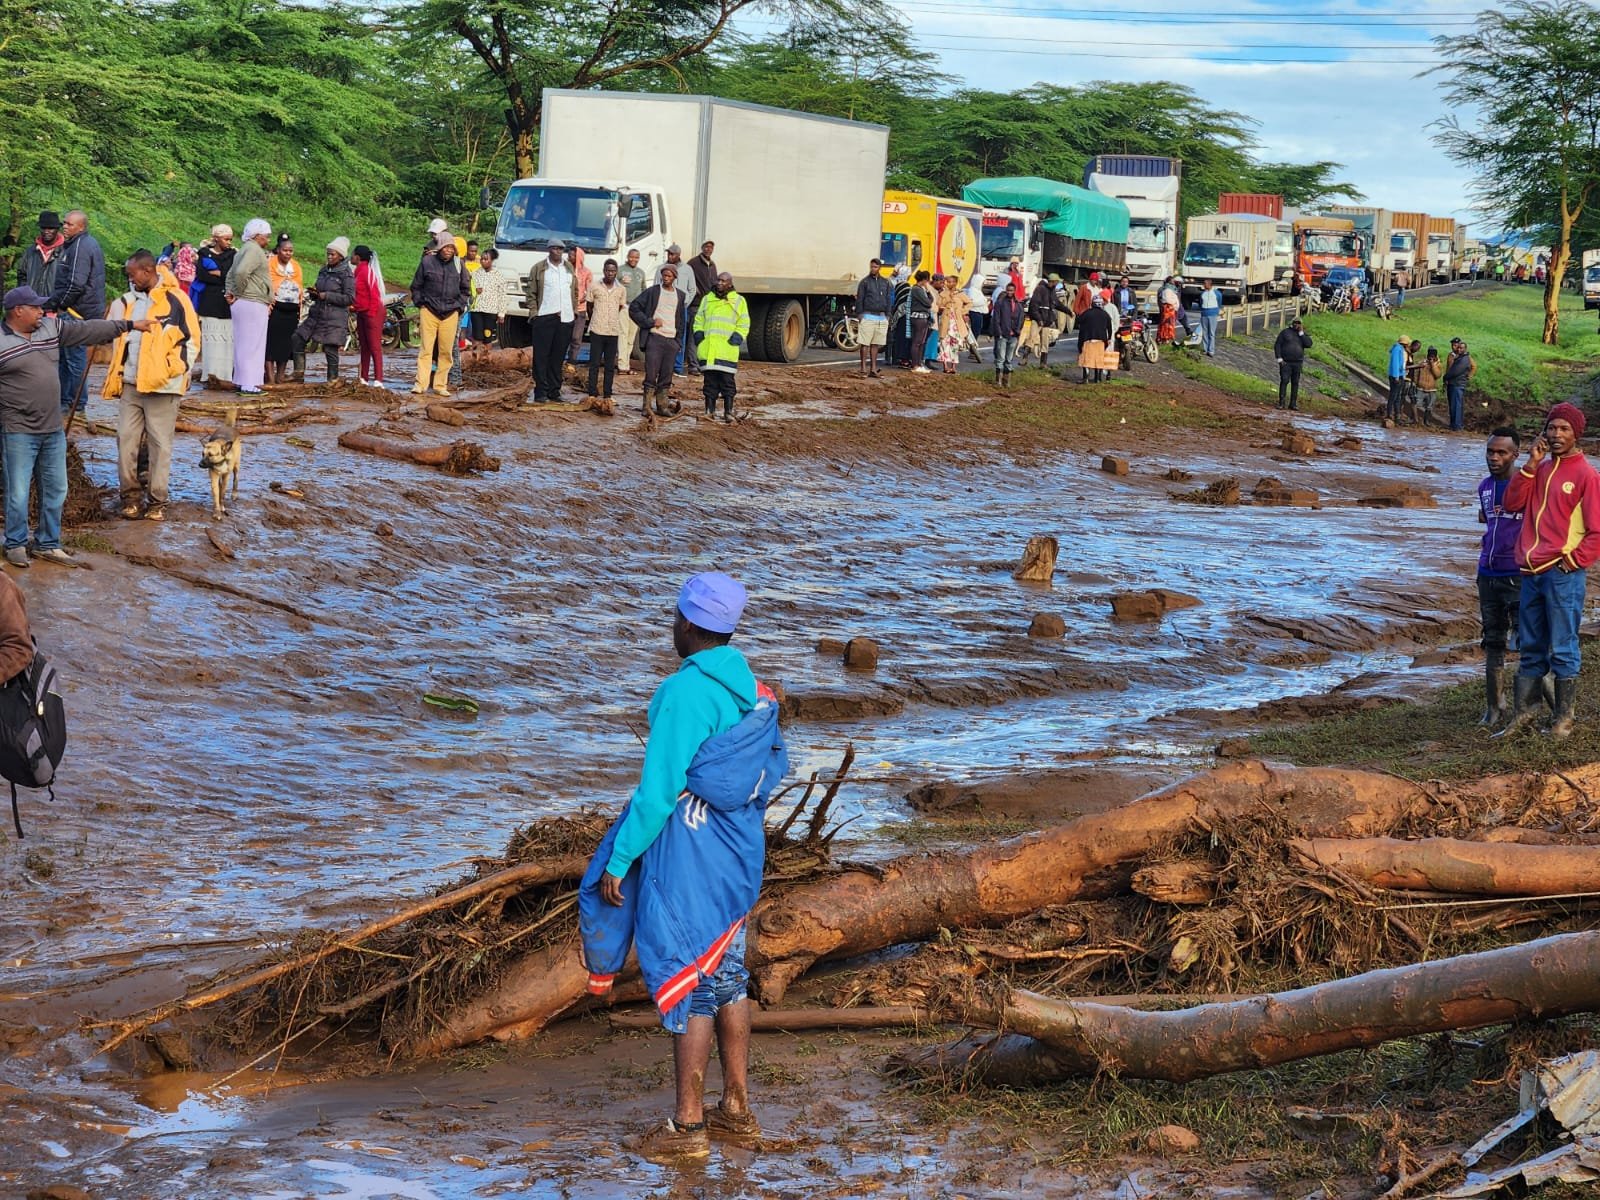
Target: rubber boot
1566 701
1493 691
997 374
1547 689
1525 704
1005 382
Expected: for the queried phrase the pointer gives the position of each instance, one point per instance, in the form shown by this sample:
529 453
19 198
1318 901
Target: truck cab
1441 257
1006 234
1324 242
1591 286
1403 251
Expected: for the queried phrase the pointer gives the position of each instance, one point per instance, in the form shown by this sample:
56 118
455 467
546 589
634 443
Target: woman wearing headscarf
368 308
328 322
211 305
250 295
288 286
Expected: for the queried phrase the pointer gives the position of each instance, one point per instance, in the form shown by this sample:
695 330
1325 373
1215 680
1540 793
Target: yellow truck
930 233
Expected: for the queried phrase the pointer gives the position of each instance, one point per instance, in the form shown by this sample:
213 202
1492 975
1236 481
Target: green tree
1530 75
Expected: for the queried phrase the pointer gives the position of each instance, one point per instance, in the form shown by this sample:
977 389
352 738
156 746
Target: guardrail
1284 308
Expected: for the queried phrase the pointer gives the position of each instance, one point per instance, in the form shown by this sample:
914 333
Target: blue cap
19 296
713 601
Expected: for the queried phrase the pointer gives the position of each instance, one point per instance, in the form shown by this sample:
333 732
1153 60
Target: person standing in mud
1558 494
631 276
1290 352
721 324
660 312
1005 323
551 295
1499 577
874 304
678 873
686 287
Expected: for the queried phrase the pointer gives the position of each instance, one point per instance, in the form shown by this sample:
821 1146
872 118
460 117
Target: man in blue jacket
679 871
77 293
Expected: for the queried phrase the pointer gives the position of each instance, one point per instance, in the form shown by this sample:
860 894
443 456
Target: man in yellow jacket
150 373
720 327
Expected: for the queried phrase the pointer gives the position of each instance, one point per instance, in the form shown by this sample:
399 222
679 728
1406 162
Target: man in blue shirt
1499 577
1399 360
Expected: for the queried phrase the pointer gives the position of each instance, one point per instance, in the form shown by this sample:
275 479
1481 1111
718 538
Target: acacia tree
525 48
1531 75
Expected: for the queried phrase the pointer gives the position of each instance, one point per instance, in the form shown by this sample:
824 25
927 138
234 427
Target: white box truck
1591 278
1148 185
1236 251
792 201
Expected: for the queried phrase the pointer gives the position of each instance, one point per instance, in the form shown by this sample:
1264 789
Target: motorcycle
833 327
1136 337
1343 299
397 324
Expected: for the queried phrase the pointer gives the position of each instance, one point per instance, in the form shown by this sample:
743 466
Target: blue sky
1323 79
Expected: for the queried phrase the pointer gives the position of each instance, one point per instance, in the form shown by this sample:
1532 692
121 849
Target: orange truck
1323 242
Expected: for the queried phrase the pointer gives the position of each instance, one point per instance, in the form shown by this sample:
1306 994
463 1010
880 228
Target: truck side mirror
1035 238
483 196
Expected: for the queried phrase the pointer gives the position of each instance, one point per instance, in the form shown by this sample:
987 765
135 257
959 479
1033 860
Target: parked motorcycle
398 325
1136 338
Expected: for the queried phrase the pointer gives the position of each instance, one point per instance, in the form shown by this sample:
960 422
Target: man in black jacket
660 312
1290 351
37 268
874 305
78 293
1043 305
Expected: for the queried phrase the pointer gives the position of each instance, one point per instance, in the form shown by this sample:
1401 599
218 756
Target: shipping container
1233 250
1261 203
1408 243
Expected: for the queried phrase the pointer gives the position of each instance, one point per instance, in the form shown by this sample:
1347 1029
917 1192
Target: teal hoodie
709 693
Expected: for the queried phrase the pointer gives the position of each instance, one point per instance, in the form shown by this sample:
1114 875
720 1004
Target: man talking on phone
1558 494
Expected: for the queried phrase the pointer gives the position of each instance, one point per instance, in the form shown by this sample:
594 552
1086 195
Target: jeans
602 352
1457 392
730 982
1499 597
1397 393
1208 329
1289 384
26 453
71 367
1551 607
1399 296
550 337
719 384
1005 353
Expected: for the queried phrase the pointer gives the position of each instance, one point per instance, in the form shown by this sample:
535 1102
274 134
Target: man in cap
1210 317
659 312
551 296
687 286
31 416
1558 494
679 871
1399 360
1043 305
1458 372
1290 352
37 268
440 289
79 292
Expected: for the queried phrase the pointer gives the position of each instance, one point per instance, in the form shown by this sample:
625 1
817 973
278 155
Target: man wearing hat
1399 363
37 269
1558 494
78 292
30 415
1290 352
441 290
328 322
679 871
551 295
689 289
1043 304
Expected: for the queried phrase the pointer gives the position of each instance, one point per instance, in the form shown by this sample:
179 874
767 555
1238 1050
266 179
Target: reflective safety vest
719 320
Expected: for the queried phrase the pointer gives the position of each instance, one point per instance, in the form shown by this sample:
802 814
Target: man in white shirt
551 294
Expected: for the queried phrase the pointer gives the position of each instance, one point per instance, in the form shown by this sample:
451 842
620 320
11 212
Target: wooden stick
526 874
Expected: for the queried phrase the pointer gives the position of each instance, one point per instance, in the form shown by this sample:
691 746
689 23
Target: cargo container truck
1051 226
1234 251
793 201
1377 229
932 233
1441 249
1321 242
1149 186
1591 279
1408 244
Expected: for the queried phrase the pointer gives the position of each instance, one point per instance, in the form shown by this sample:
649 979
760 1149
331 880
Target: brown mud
251 756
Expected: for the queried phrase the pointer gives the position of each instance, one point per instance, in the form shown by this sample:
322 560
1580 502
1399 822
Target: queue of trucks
797 205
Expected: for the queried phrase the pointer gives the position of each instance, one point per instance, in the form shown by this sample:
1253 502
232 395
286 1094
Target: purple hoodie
1500 530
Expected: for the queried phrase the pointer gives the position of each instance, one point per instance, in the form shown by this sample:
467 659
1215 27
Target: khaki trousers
437 350
148 417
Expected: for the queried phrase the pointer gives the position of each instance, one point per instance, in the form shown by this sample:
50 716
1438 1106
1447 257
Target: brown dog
220 454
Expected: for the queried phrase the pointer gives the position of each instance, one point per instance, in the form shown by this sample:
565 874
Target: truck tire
755 343
784 331
515 333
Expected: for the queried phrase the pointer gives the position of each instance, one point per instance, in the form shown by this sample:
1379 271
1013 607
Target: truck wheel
755 342
785 331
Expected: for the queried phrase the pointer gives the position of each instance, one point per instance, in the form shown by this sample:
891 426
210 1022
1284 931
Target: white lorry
793 201
1236 251
1591 279
1148 185
1008 233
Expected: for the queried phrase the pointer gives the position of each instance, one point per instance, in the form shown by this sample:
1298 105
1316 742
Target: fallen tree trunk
913 897
458 458
1453 865
1550 977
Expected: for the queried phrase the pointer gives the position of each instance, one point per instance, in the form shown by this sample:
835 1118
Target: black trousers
550 338
602 349
1289 384
659 355
1499 597
719 383
919 339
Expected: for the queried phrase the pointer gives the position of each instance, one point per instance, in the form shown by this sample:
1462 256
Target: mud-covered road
248 762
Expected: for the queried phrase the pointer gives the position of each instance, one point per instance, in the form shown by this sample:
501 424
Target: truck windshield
1003 237
1211 254
1342 245
1592 274
1439 241
1402 242
1283 247
1149 236
893 251
533 215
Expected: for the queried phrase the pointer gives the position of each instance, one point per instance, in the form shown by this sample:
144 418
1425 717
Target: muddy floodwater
251 761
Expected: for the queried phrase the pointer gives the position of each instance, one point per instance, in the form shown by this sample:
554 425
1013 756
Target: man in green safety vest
720 327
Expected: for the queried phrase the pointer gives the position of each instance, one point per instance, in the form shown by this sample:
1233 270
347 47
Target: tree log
1183 882
459 458
443 414
913 897
535 990
1551 977
1453 865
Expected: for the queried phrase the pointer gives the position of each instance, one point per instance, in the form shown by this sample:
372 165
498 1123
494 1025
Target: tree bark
1550 977
913 897
458 458
1453 865
534 991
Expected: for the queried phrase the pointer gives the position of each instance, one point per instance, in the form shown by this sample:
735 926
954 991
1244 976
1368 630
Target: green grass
1438 738
1501 327
1247 386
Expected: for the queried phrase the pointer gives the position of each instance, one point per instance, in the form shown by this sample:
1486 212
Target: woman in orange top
287 286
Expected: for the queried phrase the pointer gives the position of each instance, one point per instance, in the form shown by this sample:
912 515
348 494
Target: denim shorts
728 985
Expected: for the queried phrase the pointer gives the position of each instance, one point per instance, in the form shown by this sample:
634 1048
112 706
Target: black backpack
33 730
